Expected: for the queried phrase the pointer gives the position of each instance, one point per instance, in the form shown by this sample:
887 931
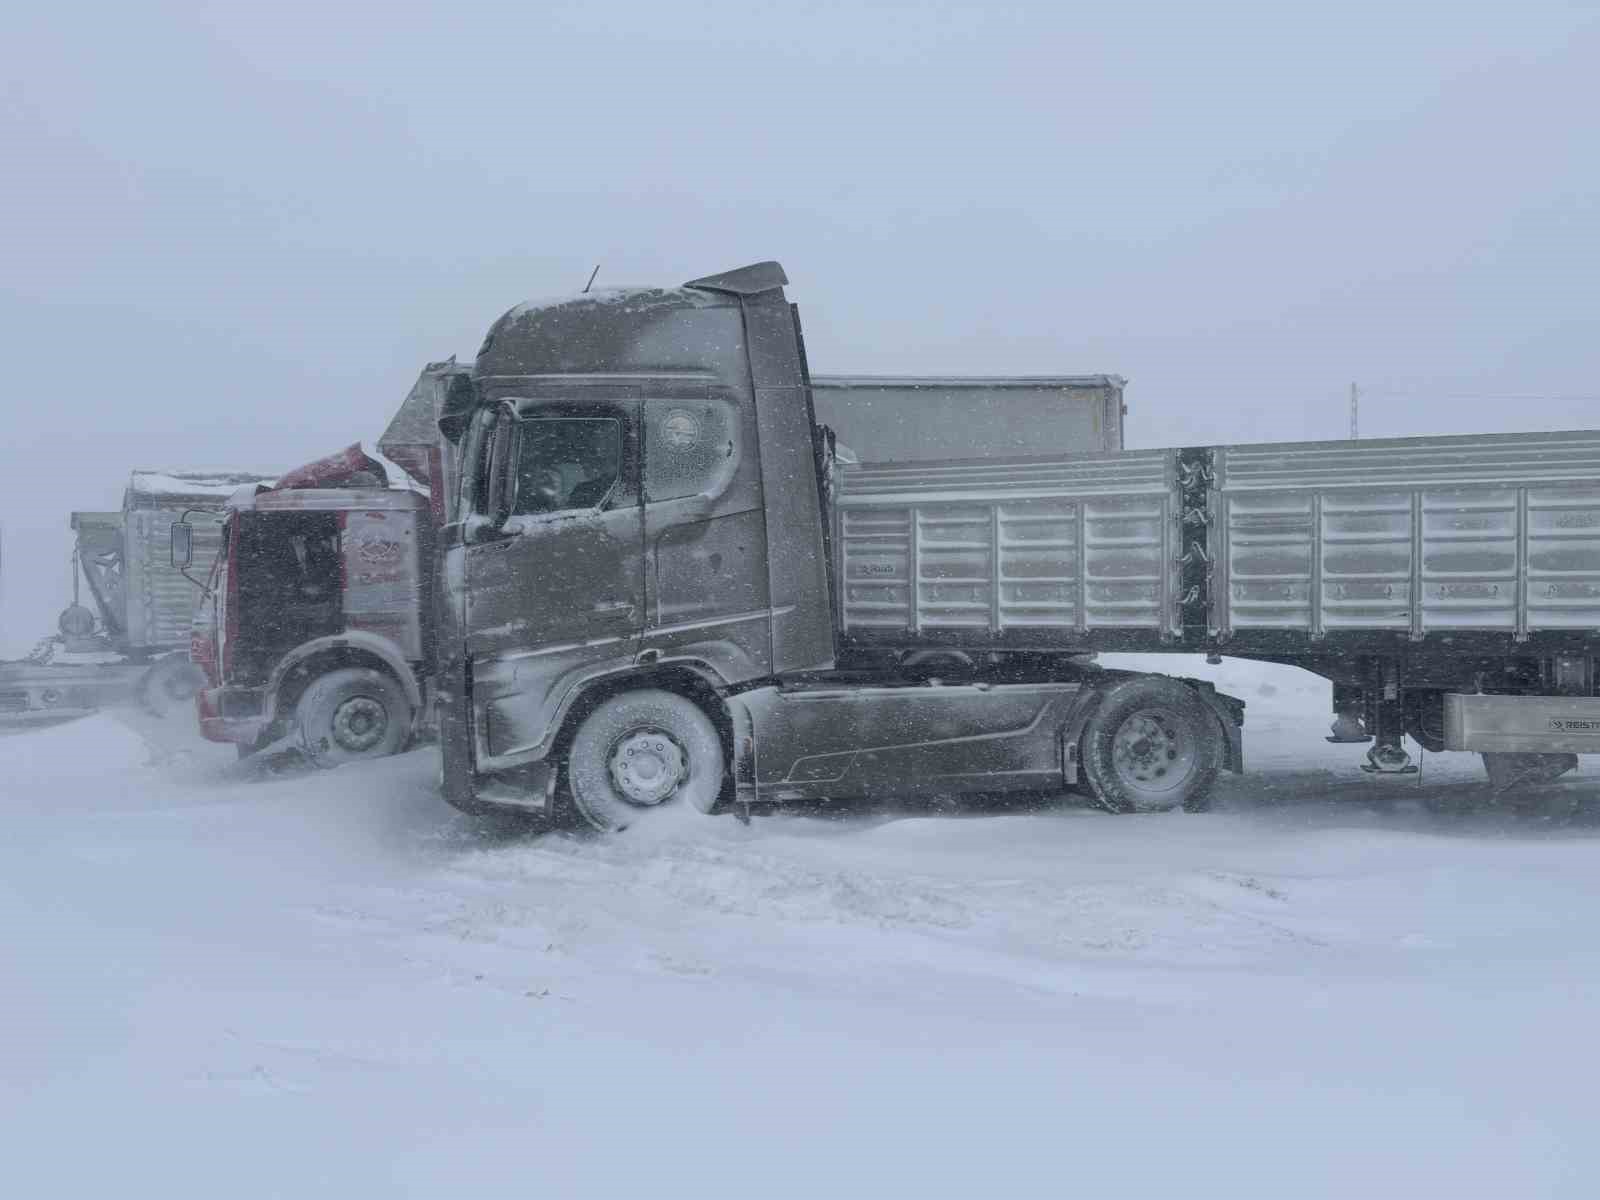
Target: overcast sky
232 234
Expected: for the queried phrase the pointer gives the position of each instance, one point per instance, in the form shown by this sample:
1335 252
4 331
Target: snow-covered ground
334 985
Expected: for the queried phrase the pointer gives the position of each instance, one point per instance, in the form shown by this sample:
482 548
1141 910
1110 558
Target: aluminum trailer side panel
1413 536
1021 547
1291 549
923 418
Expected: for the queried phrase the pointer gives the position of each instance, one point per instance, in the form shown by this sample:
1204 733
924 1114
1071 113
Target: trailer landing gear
1389 759
1386 719
1347 727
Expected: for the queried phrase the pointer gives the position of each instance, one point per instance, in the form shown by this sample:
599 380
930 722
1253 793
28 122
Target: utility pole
1355 404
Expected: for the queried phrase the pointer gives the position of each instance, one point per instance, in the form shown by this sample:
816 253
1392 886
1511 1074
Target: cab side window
690 448
566 464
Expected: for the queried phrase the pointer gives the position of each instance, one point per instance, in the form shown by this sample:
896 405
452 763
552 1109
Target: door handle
609 607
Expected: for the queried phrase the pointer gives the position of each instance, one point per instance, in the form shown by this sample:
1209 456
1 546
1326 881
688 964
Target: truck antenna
592 274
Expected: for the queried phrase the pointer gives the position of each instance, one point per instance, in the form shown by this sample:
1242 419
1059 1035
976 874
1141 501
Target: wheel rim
647 765
359 724
1154 751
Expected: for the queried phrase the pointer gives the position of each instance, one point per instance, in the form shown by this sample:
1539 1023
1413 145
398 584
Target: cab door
706 571
554 569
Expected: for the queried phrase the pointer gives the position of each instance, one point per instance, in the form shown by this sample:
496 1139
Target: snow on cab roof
218 483
958 382
604 296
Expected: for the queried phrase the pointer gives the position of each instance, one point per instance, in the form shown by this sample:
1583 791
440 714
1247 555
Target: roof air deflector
744 281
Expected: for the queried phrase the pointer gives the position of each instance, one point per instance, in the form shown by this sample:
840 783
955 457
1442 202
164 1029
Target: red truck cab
314 632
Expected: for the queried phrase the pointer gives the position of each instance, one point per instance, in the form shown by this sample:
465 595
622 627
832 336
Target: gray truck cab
625 460
637 580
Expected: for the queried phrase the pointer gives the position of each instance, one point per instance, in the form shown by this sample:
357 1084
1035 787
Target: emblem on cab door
681 429
379 552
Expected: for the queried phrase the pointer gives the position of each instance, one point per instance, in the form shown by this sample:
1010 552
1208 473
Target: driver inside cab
567 464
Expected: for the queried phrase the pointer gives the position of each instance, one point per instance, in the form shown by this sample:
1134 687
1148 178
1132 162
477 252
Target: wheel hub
359 724
1150 751
647 765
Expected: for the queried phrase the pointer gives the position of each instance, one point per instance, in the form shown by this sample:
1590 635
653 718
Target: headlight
49 697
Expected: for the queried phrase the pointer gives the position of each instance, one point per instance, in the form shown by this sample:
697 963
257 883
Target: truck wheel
1151 746
642 751
351 714
170 684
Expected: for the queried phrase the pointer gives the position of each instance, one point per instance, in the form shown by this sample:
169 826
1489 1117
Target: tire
170 684
1424 714
352 714
1152 746
642 751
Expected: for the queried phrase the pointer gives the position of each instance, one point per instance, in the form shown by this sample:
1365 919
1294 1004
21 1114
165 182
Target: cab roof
695 329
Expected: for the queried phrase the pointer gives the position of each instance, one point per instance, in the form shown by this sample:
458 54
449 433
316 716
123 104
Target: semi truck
314 632
129 644
661 587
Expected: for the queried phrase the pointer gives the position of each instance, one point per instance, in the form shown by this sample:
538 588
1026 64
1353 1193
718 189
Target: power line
1524 397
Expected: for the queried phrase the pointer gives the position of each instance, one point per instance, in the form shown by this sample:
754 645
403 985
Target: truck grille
13 701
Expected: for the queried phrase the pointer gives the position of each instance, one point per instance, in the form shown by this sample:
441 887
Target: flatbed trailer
1461 574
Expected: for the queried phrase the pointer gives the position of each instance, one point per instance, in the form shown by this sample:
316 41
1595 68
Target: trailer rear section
1449 587
126 641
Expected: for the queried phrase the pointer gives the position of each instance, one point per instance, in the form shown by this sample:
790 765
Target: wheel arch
697 686
307 662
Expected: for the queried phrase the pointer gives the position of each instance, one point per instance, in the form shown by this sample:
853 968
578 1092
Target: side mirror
182 544
502 478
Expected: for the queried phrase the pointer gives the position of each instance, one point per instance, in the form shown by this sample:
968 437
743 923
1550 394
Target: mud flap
528 791
253 763
1230 716
1072 735
743 767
